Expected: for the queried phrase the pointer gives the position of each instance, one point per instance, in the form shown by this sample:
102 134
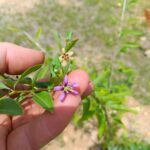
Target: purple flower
67 88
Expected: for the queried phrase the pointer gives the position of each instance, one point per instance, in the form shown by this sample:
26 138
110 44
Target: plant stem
27 91
106 116
116 49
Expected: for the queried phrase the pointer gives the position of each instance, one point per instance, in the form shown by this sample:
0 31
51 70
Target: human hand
36 127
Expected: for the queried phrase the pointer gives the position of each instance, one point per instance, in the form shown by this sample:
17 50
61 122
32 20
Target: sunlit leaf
27 72
70 44
41 73
38 34
101 124
131 32
3 86
129 45
69 36
44 99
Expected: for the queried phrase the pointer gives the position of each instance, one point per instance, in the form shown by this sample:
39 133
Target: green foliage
27 72
10 107
70 44
3 86
107 103
44 99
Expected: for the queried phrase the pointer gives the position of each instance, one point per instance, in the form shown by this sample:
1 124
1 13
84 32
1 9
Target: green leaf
10 107
7 81
87 113
53 74
101 123
41 73
127 31
27 72
14 29
121 107
3 86
116 97
56 62
70 44
103 78
38 34
129 45
69 36
44 99
131 3
56 65
42 84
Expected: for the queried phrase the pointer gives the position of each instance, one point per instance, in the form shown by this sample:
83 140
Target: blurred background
97 24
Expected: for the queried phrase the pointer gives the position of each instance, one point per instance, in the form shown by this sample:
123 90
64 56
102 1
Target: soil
17 6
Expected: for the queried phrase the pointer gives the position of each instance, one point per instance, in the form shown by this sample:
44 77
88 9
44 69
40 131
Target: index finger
16 59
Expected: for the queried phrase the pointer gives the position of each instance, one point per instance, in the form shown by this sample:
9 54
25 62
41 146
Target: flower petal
62 96
64 63
74 85
74 92
65 80
63 50
58 88
70 53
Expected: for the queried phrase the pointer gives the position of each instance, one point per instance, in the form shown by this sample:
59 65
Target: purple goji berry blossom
67 88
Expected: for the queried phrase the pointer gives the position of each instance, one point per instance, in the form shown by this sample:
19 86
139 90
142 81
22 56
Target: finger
5 127
89 90
43 129
15 59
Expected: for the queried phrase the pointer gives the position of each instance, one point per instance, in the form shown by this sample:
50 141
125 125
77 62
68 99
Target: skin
36 127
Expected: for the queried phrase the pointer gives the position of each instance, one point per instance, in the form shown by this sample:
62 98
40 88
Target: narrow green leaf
127 31
41 73
69 36
7 81
38 34
102 79
101 124
14 29
70 44
44 99
27 72
129 45
56 62
121 107
3 86
86 107
10 107
115 96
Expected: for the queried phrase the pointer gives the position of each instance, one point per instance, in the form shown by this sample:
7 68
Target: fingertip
89 90
81 78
